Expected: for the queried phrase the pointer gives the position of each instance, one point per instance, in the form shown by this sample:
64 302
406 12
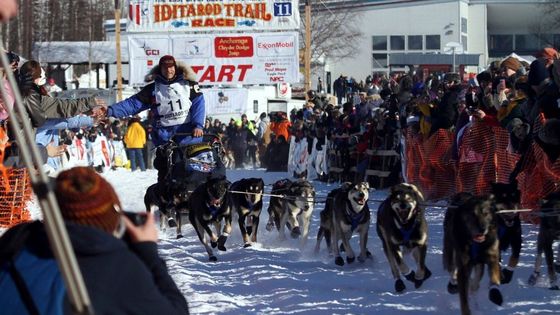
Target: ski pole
54 224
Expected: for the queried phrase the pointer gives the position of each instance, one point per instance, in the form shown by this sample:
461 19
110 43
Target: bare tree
550 20
334 31
55 20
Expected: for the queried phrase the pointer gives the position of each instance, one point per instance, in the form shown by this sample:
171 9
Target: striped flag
134 13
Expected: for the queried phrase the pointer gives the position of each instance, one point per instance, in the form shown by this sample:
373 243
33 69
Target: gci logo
151 52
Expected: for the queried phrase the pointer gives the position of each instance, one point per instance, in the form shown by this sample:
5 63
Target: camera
471 110
137 218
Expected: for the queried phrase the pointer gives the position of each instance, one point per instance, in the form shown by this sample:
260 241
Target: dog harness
475 251
406 233
355 218
248 204
501 230
213 210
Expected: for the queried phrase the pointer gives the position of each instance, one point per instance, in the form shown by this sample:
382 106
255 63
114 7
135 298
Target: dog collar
354 217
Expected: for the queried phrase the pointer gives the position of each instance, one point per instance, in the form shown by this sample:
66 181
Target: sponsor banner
225 101
259 58
211 15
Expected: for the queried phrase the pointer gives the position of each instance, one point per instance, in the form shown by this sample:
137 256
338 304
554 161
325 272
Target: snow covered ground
276 277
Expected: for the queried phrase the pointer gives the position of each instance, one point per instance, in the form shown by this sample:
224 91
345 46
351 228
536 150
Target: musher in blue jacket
176 105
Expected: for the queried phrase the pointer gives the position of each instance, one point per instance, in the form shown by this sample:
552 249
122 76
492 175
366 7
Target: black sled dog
509 225
170 199
401 225
208 207
246 200
549 231
470 242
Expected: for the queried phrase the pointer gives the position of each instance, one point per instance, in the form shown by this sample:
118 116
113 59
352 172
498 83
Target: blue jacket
121 278
145 99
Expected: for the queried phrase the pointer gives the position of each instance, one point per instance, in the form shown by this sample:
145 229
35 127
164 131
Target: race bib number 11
174 103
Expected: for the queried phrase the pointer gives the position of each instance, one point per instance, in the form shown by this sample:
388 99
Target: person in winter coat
176 103
123 275
280 126
238 143
40 107
135 140
263 136
445 115
277 155
52 88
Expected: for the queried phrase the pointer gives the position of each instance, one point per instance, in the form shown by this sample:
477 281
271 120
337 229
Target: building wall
478 35
482 20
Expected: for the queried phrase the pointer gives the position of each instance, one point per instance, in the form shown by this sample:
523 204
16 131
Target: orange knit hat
86 198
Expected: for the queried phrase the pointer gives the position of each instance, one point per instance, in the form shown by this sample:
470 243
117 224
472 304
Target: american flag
134 13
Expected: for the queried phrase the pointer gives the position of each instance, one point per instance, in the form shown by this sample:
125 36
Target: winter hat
88 199
167 61
548 53
511 63
12 57
550 132
484 76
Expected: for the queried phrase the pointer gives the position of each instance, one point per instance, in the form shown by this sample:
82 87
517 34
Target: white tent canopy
78 52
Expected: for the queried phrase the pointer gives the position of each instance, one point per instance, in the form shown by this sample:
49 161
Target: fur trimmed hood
182 68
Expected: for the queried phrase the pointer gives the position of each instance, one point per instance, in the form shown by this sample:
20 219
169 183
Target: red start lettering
152 52
224 73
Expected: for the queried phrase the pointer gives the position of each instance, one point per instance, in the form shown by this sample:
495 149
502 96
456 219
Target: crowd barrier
481 159
538 178
15 192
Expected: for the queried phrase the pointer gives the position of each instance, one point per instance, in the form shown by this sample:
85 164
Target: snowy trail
275 277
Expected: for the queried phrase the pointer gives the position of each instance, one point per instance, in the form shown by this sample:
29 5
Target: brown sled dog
346 211
470 242
401 224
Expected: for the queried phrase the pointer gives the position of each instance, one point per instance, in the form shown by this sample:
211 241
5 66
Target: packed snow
277 277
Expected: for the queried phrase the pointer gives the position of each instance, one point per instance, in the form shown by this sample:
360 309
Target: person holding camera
122 270
445 115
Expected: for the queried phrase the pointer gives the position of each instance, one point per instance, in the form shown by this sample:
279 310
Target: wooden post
118 42
307 58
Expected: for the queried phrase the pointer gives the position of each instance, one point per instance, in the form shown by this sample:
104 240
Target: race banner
248 58
211 15
225 101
